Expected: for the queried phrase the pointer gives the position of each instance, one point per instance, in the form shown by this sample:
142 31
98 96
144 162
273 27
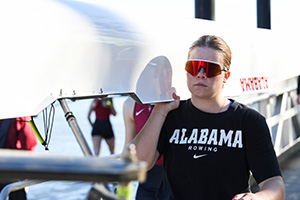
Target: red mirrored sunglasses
211 69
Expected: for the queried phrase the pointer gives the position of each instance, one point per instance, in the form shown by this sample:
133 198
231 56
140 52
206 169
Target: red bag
20 135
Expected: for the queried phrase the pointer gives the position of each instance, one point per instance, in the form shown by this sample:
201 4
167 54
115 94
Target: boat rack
37 168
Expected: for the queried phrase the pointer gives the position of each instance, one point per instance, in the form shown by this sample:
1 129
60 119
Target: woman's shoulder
243 110
183 107
184 104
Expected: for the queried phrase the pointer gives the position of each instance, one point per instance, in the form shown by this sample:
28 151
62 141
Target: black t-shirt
210 156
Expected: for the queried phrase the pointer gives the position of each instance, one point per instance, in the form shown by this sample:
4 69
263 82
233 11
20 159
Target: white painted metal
282 117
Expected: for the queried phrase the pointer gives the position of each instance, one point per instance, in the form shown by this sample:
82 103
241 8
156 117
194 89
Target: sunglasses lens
211 69
192 67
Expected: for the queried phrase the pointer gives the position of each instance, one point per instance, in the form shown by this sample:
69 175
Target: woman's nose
201 73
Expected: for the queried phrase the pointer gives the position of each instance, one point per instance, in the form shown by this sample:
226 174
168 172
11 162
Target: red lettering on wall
254 83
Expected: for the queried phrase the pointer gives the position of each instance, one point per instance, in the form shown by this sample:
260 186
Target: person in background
16 134
298 90
211 143
102 127
135 116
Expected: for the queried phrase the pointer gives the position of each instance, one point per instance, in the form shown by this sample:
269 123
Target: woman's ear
226 76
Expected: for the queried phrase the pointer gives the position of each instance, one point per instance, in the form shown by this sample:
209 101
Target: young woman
210 143
102 127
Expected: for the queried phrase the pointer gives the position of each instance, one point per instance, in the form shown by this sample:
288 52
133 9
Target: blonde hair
216 43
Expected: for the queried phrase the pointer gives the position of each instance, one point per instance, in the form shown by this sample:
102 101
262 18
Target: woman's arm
147 139
90 111
270 189
112 108
130 129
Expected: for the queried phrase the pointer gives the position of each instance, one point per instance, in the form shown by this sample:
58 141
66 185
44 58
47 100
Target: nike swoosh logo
139 112
199 156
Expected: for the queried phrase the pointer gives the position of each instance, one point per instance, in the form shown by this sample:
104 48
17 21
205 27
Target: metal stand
16 186
75 128
98 190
